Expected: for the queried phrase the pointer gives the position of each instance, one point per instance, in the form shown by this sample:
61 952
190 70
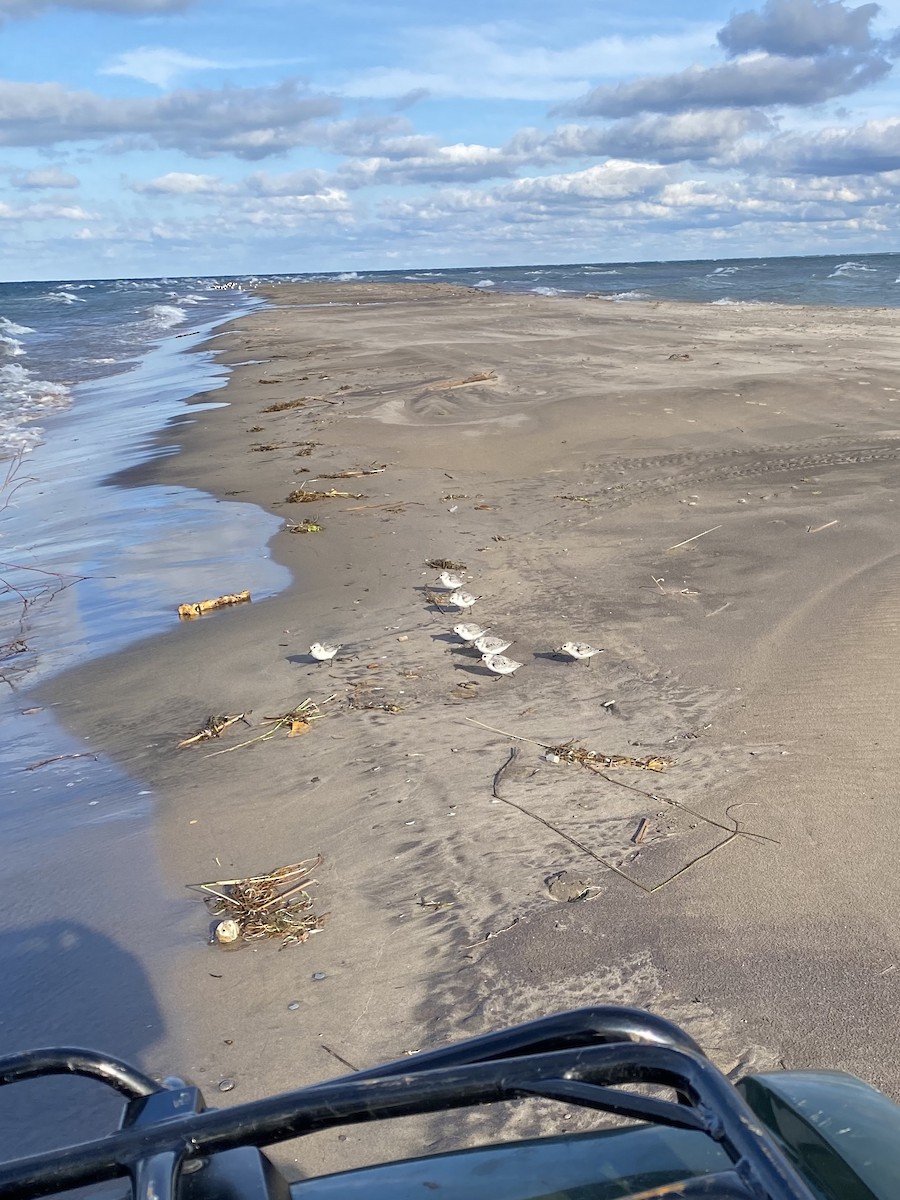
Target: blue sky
149 137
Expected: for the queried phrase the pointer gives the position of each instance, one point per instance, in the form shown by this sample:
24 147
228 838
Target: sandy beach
707 493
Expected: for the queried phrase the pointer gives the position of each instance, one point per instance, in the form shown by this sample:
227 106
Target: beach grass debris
579 499
214 727
307 496
264 447
445 564
305 449
285 405
446 385
274 905
687 541
295 721
305 526
357 472
592 759
188 612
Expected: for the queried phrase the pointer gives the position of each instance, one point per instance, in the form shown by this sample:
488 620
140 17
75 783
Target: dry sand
706 492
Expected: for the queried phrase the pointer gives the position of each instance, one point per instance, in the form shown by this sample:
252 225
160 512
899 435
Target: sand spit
706 493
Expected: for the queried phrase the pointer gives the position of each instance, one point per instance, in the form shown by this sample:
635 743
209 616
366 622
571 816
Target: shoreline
437 887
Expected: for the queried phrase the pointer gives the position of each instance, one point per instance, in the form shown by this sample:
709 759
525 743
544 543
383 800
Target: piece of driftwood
188 612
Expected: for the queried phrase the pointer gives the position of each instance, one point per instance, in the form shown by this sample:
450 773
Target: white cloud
182 183
248 122
156 64
43 212
161 65
500 61
46 177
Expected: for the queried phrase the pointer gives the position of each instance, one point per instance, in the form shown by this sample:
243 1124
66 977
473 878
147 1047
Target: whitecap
11 346
630 296
485 283
22 400
65 298
347 276
166 315
545 291
849 268
8 326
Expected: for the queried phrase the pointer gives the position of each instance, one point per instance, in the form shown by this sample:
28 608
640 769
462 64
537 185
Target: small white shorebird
500 664
491 645
579 651
323 651
462 599
469 633
451 581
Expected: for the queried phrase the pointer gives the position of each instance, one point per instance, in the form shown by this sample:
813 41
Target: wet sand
706 492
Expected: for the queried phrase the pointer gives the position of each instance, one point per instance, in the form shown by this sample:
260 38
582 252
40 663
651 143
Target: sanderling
469 633
500 664
323 651
462 599
450 581
578 650
491 645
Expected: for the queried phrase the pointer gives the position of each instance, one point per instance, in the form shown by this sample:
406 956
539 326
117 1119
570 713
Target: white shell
227 931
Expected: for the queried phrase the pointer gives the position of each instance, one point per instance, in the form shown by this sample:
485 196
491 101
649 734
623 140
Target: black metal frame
581 1057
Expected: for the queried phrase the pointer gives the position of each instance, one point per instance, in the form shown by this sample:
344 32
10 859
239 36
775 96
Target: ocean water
870 280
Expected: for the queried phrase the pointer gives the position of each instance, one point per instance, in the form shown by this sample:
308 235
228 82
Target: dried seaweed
305 526
274 905
215 726
594 759
302 496
356 472
445 564
300 402
296 720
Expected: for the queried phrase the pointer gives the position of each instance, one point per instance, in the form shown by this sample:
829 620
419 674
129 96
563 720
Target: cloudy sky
148 137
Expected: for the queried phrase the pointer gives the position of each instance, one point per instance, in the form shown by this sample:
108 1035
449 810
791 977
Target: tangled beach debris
274 905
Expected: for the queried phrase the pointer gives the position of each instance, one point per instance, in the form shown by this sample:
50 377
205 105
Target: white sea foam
600 271
65 298
723 271
629 296
485 283
11 346
24 399
849 268
166 316
546 291
347 276
7 326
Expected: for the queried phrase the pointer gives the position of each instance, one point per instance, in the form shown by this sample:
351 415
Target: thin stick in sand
694 538
819 528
